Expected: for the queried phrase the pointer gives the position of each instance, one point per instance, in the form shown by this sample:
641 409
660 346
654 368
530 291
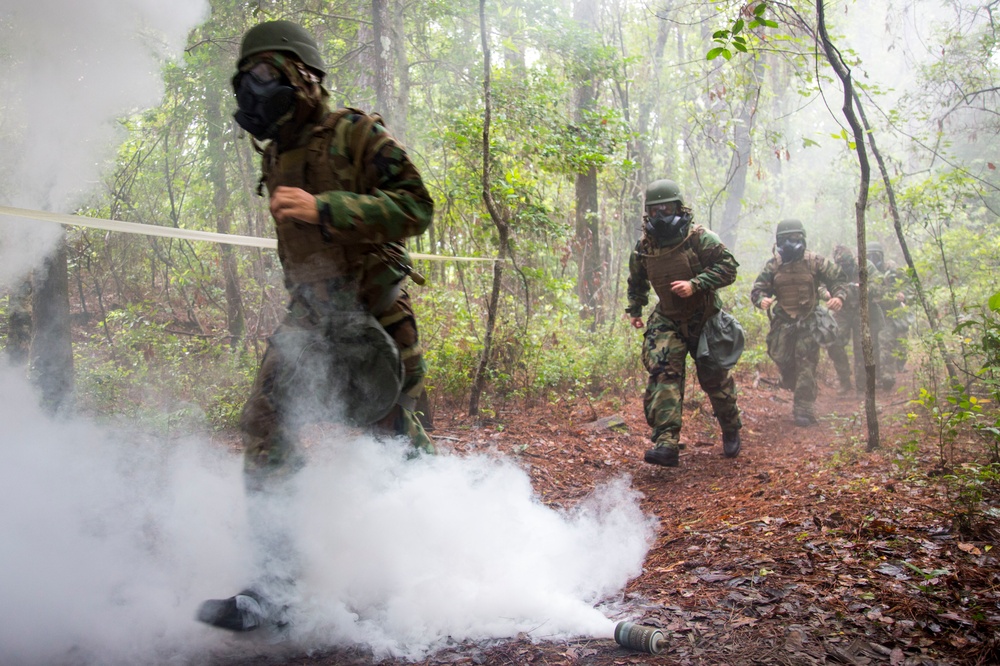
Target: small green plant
967 487
947 417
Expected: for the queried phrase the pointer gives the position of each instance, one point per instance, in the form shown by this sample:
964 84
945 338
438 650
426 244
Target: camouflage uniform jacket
853 300
718 268
369 197
823 270
892 281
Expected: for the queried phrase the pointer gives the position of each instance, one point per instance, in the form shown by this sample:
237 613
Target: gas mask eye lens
264 72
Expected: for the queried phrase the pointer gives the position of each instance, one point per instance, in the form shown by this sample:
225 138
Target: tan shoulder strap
662 252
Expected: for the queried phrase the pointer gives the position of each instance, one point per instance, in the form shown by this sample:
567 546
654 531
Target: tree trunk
898 227
840 68
401 123
51 354
19 325
382 47
499 219
588 234
729 226
235 315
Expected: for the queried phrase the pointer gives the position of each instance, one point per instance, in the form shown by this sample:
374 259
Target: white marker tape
172 232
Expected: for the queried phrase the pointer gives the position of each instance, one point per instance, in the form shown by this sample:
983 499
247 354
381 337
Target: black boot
805 420
246 611
665 456
731 443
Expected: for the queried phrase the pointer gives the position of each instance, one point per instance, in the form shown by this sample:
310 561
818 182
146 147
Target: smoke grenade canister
640 637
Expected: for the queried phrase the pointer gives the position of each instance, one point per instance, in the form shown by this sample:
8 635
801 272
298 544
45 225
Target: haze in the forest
113 537
67 71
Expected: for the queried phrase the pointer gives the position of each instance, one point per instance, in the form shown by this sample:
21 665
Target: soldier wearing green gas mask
685 264
344 196
799 323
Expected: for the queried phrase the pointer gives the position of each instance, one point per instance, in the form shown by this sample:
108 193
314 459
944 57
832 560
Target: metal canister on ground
640 637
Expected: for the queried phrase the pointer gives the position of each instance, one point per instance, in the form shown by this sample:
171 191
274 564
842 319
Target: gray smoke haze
111 542
111 539
818 184
68 69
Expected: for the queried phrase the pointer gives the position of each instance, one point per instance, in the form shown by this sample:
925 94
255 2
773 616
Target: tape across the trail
173 232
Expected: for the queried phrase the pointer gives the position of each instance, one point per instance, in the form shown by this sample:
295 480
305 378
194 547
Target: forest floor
806 549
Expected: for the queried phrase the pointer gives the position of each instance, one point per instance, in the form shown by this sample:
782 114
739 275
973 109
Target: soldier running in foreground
344 196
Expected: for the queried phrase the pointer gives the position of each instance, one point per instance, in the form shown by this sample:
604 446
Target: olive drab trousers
666 346
794 347
268 423
894 344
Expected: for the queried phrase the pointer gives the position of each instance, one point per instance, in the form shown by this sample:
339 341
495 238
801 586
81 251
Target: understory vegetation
592 100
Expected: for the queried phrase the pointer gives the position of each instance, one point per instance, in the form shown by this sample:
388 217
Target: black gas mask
665 227
264 96
791 248
877 259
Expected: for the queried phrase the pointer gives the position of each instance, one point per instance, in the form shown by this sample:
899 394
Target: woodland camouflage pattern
667 342
370 197
793 344
898 319
849 320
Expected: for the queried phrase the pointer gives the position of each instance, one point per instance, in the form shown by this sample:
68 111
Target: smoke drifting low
110 543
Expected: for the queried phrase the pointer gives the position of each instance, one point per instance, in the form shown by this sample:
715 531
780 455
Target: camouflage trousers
269 429
794 348
665 349
849 334
894 345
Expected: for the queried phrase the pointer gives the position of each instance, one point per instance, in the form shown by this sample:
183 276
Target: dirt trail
792 553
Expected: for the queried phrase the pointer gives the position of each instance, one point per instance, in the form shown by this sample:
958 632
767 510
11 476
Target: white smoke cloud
67 70
111 541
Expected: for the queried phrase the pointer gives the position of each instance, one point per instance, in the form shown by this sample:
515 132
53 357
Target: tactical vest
665 265
305 251
795 286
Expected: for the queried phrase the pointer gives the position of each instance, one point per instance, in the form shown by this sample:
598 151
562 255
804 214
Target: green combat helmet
283 36
789 227
663 191
876 254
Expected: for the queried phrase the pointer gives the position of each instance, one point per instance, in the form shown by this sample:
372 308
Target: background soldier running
849 320
685 263
894 288
799 323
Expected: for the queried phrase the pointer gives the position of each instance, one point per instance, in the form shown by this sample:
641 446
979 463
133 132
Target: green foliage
550 355
968 486
947 417
751 16
137 367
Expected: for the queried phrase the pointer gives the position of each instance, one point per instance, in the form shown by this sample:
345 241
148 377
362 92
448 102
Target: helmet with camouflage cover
875 248
663 191
283 36
789 227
